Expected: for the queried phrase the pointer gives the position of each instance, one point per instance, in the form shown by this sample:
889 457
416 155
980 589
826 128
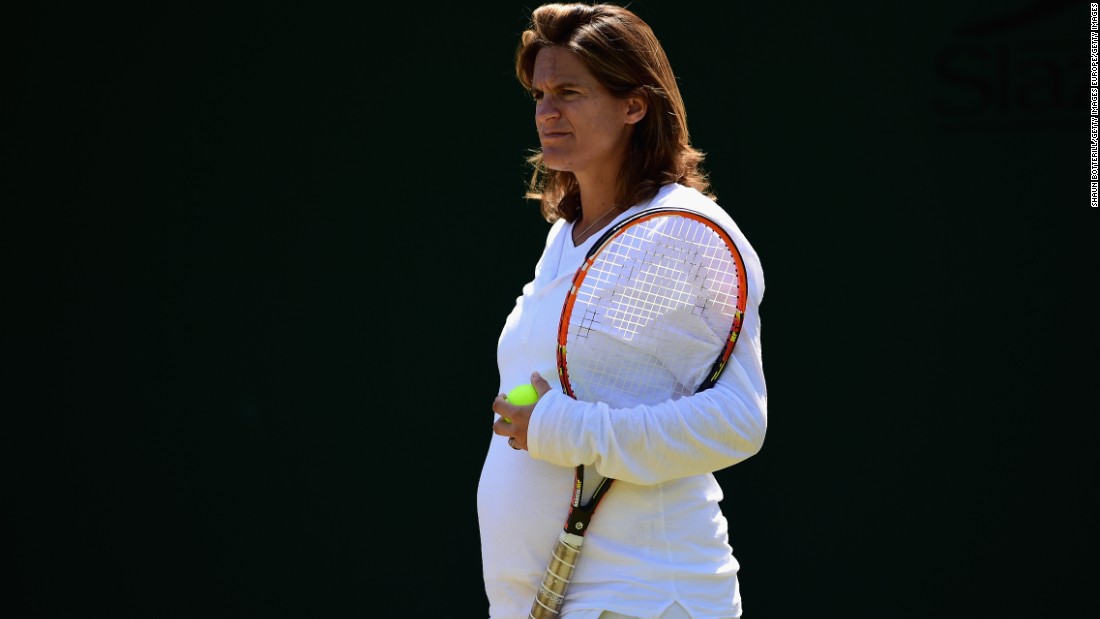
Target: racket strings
652 312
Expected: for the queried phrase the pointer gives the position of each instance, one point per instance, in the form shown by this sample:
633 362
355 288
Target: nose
545 109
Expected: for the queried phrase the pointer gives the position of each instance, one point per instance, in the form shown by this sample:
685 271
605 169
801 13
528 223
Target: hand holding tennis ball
522 395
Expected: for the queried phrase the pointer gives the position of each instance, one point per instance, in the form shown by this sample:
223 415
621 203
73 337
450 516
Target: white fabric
673 612
659 536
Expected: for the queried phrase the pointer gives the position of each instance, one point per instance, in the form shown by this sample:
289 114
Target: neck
597 195
588 224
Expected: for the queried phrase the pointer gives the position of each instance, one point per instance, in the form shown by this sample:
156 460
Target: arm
696 434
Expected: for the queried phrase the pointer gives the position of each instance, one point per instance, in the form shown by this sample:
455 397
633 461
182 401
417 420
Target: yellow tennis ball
522 395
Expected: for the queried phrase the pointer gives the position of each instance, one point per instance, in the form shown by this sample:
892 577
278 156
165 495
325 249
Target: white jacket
659 536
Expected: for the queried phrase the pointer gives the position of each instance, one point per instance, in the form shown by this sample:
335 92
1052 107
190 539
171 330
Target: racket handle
551 593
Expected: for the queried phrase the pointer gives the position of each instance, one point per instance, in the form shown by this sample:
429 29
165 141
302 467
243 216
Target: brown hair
624 55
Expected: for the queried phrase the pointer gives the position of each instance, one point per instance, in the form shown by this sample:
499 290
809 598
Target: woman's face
582 127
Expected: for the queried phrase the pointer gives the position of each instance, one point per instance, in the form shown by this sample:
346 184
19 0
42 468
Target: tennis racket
652 315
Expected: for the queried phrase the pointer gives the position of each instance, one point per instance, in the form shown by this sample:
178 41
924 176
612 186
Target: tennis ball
522 395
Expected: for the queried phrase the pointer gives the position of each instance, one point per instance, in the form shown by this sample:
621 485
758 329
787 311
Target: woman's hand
513 420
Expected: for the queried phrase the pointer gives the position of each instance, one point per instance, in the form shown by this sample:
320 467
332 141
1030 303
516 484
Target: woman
614 140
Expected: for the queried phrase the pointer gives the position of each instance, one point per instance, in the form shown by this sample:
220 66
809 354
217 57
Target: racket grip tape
559 571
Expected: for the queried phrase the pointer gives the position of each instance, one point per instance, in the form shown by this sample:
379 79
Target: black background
259 256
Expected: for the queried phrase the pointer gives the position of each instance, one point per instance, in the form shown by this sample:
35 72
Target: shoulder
678 196
674 195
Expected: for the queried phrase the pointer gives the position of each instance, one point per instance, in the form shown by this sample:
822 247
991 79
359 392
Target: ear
636 106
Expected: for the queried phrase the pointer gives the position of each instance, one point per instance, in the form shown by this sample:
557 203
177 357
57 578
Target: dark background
257 259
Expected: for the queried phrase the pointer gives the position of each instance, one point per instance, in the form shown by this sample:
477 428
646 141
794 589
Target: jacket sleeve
696 434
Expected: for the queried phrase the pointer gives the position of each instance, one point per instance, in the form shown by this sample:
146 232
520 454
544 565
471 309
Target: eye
536 95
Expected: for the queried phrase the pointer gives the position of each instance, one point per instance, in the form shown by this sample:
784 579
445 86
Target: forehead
557 65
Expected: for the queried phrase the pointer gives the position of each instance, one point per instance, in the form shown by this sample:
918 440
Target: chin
556 163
